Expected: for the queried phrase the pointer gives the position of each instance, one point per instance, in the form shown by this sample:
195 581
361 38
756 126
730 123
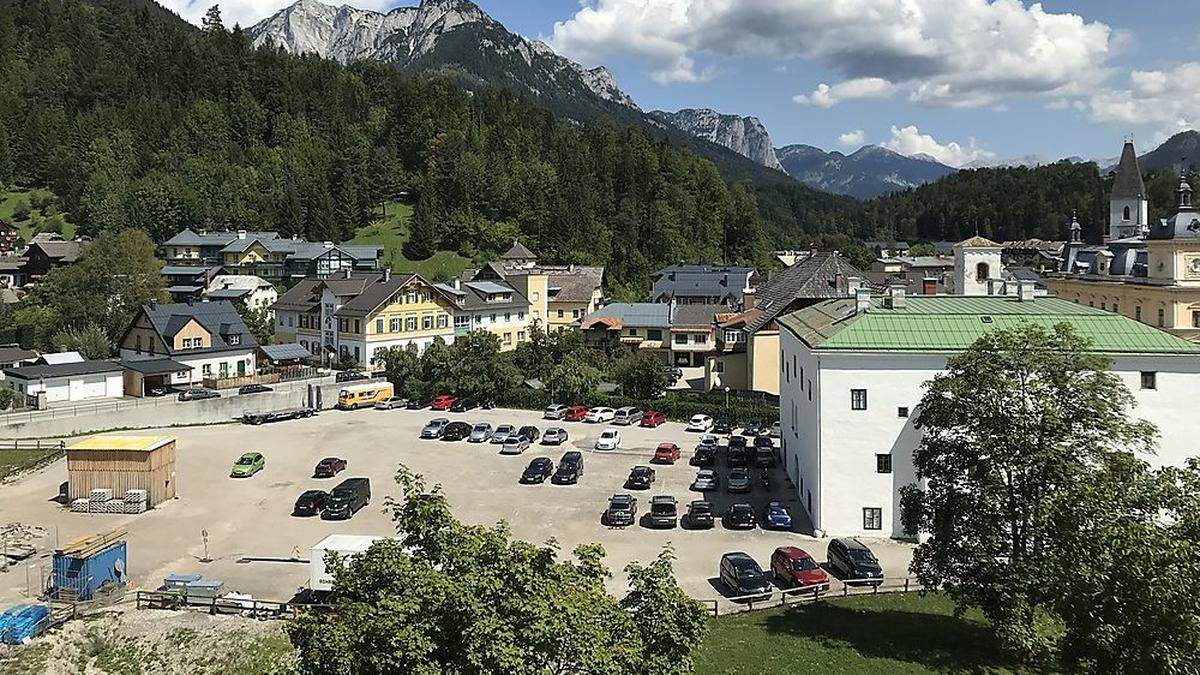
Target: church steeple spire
1076 229
1183 195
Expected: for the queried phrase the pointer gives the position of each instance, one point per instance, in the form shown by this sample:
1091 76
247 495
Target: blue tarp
20 623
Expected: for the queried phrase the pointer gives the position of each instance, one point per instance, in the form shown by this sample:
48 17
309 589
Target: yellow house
395 311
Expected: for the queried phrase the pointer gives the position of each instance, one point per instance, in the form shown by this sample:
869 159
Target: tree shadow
937 641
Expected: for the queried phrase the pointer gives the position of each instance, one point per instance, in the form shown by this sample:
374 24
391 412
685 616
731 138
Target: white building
252 291
852 373
68 382
191 342
977 261
1129 206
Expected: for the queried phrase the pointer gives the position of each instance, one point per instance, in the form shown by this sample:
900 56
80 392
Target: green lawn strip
391 233
10 199
886 633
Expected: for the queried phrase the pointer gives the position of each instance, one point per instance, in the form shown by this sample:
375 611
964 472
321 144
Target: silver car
706 480
515 445
392 403
502 432
435 428
554 436
739 480
480 433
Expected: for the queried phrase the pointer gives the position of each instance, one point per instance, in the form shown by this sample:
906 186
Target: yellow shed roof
138 443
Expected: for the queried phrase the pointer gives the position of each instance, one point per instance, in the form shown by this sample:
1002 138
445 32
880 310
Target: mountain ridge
746 136
869 172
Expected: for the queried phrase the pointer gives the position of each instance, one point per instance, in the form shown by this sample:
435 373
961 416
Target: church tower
976 262
1128 208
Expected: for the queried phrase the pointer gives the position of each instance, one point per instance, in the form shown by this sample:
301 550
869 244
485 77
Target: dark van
347 498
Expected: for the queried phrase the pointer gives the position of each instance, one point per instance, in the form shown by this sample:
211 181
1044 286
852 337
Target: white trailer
345 545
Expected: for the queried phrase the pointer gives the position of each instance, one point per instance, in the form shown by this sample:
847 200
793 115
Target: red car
667 453
329 467
576 413
653 418
795 568
442 402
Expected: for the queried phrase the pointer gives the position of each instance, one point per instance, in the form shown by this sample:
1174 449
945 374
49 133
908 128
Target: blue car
777 517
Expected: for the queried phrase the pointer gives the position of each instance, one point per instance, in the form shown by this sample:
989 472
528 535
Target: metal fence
262 609
807 595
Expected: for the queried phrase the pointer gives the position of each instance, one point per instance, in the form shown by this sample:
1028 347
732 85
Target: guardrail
808 594
261 609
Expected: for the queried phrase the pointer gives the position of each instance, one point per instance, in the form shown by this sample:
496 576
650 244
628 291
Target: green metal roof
953 323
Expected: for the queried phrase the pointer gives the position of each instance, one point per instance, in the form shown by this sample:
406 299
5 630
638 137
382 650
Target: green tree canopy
641 376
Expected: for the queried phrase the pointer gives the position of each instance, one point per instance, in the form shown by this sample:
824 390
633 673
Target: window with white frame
441 320
872 518
858 399
410 323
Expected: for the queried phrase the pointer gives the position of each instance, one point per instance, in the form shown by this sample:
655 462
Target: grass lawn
9 199
887 633
12 461
391 233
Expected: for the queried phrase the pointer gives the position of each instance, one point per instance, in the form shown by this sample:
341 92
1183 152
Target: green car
248 465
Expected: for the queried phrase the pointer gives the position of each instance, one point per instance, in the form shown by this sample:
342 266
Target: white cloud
826 96
852 139
1167 101
910 141
946 52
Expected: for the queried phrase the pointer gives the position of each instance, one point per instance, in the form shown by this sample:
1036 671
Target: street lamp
727 415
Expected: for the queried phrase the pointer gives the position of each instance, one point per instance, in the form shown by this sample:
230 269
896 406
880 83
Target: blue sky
962 80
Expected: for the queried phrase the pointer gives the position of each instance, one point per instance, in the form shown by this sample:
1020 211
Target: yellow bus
364 395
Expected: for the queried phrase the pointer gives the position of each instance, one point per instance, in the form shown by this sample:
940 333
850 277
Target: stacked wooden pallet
92 544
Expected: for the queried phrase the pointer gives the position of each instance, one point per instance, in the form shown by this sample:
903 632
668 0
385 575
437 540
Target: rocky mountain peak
746 136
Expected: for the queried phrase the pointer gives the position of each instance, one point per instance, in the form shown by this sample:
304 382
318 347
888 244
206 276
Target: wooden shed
122 463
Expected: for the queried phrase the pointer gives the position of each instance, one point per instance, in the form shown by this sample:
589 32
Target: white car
600 415
554 411
710 440
610 439
775 433
700 423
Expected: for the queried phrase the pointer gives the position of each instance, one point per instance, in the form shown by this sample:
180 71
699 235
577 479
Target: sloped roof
375 294
306 294
978 242
707 281
954 323
285 352
518 251
220 319
63 251
1128 182
632 315
696 316
63 370
814 278
473 295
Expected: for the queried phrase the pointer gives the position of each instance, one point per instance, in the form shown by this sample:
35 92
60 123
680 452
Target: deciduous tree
641 376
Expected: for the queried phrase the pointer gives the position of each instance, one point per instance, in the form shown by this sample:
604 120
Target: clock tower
1174 246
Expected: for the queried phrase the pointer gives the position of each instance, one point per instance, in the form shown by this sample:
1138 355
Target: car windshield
861 555
619 504
515 440
804 564
701 508
740 510
748 573
479 427
246 460
663 508
608 434
504 429
739 474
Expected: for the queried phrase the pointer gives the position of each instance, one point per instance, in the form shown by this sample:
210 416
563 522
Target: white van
627 415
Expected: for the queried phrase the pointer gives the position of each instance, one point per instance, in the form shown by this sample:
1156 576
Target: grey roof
306 294
373 295
473 295
635 314
184 289
220 319
15 354
696 316
1185 224
155 366
285 352
63 251
12 263
575 285
489 287
184 271
814 278
1128 182
188 237
227 293
64 370
700 281
518 251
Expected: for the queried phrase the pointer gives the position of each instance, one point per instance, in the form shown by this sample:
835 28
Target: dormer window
234 339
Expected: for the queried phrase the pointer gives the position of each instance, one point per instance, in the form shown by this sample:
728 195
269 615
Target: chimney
346 273
327 244
862 300
1026 290
748 300
895 297
853 285
387 274
241 234
457 283
929 286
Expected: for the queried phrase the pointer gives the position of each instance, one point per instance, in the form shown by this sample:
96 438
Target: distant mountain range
869 172
1181 151
744 135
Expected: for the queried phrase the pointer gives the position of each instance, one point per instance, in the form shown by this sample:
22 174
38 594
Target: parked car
738 455
794 568
610 439
554 411
708 440
627 415
515 445
706 480
456 431
442 402
640 478
554 436
850 559
310 503
740 517
673 375
664 512
350 376
764 443
705 455
777 517
775 430
347 498
737 443
570 469
480 433
529 432
247 465
739 480
723 424
753 428
621 511
743 577
198 394
653 418
463 405
764 452
699 515
434 428
392 403
254 389
419 402
502 433
329 467
666 453
700 423
538 471
158 392
576 413
601 414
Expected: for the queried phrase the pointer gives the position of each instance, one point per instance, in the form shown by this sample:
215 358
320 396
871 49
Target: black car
754 428
418 402
156 392
664 512
743 577
723 425
254 389
853 562
699 515
706 455
350 376
740 517
538 471
531 433
737 443
310 503
738 454
347 498
463 405
640 478
764 452
570 468
621 511
456 431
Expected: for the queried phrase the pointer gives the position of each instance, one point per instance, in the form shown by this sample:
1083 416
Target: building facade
681 336
277 259
572 291
198 341
67 382
852 376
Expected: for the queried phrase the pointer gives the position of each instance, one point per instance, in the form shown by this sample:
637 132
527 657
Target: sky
961 80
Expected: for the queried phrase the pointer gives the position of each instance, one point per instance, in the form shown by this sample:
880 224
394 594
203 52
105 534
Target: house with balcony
180 344
495 306
678 335
268 255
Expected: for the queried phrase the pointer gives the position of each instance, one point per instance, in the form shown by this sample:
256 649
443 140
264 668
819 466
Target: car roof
621 498
792 552
663 498
667 444
312 493
739 558
702 503
574 454
641 468
540 460
332 459
741 507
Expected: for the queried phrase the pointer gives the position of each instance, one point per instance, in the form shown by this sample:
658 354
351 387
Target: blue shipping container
82 577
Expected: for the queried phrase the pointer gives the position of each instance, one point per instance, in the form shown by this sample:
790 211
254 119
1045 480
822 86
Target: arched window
1126 213
982 272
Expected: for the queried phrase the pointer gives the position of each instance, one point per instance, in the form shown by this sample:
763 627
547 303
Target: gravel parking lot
251 518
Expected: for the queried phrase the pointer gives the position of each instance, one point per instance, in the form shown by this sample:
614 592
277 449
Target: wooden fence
261 609
275 376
